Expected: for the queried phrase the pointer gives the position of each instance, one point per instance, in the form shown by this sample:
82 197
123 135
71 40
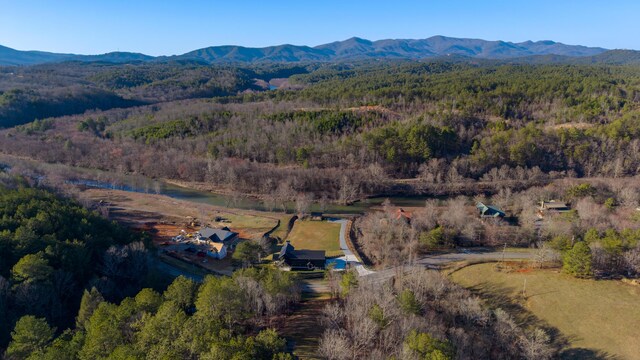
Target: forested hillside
347 50
342 131
222 318
52 90
74 285
52 249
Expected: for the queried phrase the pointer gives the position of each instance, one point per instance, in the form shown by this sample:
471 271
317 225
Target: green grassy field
253 225
316 235
281 231
599 319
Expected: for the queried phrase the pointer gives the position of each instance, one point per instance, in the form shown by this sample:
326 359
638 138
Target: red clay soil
161 233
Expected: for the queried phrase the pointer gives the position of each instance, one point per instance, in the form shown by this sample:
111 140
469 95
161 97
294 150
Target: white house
217 250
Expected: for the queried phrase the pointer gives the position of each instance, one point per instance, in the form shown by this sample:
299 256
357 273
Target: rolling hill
347 50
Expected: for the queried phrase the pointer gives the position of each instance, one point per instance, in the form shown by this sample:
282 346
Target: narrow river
136 183
251 203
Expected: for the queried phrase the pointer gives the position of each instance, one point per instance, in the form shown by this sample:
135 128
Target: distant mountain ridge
350 49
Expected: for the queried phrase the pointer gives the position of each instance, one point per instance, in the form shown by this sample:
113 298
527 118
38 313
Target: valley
441 198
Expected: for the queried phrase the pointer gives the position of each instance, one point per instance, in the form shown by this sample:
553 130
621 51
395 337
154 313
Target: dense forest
52 90
50 247
74 285
337 131
222 318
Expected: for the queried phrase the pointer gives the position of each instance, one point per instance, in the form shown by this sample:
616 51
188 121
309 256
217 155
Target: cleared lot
597 317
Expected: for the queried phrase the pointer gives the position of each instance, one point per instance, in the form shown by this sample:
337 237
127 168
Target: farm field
316 235
164 217
141 209
255 225
598 319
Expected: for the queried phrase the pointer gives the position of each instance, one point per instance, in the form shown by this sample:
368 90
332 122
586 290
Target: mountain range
347 50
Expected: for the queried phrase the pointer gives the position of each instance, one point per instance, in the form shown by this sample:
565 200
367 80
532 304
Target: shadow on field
502 297
585 354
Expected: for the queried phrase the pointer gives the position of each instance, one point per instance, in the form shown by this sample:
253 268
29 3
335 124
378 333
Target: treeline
222 318
439 124
422 315
611 253
53 248
603 216
19 106
513 92
53 90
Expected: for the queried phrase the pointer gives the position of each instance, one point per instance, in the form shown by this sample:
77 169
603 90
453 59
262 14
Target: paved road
351 260
437 261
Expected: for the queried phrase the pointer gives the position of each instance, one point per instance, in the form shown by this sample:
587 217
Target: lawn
600 317
251 226
281 231
316 235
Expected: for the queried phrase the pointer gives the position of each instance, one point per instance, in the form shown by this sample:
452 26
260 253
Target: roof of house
400 213
218 246
290 252
217 235
307 255
554 205
489 210
286 248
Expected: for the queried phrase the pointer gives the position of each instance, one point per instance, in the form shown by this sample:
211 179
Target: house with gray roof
223 236
301 259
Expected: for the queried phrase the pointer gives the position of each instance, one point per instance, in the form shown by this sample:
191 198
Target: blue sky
162 27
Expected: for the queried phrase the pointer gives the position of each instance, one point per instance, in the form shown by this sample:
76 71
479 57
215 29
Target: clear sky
160 27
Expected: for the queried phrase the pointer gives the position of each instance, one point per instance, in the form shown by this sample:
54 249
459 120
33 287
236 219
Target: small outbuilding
403 215
551 208
316 216
554 206
489 211
301 259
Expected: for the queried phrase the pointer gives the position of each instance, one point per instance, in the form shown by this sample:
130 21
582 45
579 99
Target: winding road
349 257
435 261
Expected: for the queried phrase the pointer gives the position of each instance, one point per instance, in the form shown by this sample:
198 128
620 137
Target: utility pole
524 289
